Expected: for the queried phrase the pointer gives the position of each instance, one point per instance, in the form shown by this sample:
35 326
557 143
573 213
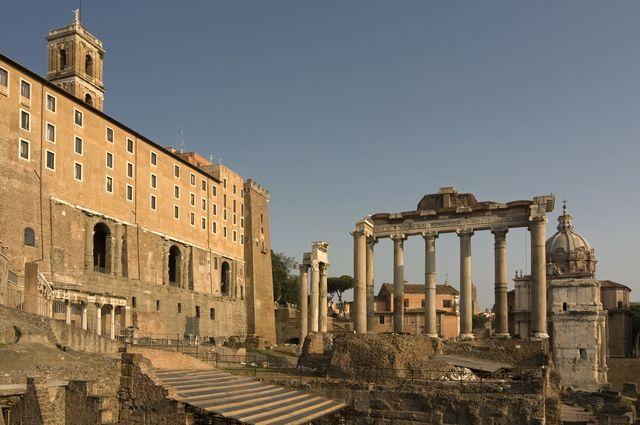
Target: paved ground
245 399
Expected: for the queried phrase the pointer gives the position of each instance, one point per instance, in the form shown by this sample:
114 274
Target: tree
285 282
336 286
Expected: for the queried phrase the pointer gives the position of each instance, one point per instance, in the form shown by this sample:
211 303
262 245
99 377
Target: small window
192 199
129 145
78 145
51 103
176 211
109 184
29 237
224 200
224 183
204 185
235 236
381 320
179 308
51 132
214 191
133 302
109 160
25 89
224 231
583 353
176 191
406 303
109 135
215 263
234 219
564 306
422 303
129 192
224 214
212 313
4 78
51 161
203 223
214 207
154 159
24 149
241 223
234 189
77 171
78 119
129 170
214 227
157 305
25 120
192 219
203 203
620 305
154 181
446 303
234 205
153 202
192 179
176 171
241 239
198 311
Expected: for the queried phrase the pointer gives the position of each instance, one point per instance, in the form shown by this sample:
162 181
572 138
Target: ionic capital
430 235
464 232
398 237
500 232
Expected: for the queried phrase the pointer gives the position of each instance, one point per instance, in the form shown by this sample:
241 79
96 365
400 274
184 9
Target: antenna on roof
179 140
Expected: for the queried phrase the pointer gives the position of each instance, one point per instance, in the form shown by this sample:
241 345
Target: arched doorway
63 59
101 234
174 265
88 65
225 277
88 99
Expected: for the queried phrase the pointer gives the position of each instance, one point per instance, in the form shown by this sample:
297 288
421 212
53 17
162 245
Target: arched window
225 277
88 99
63 59
88 65
101 234
174 265
29 237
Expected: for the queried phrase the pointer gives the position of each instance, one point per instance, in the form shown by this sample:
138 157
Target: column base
501 336
540 335
467 336
433 336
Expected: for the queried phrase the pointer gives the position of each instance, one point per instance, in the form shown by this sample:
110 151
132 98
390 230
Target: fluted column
398 283
500 288
466 288
302 301
371 241
322 297
360 276
430 328
315 289
538 229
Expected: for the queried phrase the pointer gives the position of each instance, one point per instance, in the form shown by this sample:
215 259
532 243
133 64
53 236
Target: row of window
212 311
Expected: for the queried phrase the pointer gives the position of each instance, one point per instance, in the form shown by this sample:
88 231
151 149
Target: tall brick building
127 231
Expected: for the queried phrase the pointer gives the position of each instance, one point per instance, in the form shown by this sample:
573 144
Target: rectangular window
51 132
241 239
179 308
25 89
192 199
51 103
153 202
204 185
214 191
224 183
154 181
215 263
133 302
129 192
176 211
78 119
154 159
109 160
235 236
129 170
214 207
224 200
234 219
241 223
203 223
204 204
176 192
77 171
198 311
157 305
381 320
192 219
109 184
224 231
406 303
129 145
176 171
192 179
51 161
24 149
109 135
234 205
78 145
446 303
4 78
214 227
234 189
212 313
224 214
25 120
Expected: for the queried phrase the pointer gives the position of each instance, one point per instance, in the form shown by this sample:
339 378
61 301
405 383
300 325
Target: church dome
568 253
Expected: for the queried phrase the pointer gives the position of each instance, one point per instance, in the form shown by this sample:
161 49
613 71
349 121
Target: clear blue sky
347 108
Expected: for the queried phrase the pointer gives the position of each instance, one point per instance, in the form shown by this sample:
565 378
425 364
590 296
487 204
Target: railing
13 297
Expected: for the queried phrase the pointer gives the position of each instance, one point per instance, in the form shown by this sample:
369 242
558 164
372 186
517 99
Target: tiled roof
612 284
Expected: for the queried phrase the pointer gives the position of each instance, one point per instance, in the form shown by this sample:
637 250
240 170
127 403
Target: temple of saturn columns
451 212
313 307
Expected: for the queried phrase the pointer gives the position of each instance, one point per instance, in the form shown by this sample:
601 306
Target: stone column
466 288
88 246
322 318
68 311
538 229
500 288
112 330
398 282
99 319
116 250
84 316
431 327
302 300
165 265
371 241
360 275
315 289
111 253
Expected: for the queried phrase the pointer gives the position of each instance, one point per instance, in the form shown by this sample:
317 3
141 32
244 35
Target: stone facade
102 209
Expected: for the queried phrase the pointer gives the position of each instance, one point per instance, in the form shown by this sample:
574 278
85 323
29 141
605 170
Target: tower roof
568 252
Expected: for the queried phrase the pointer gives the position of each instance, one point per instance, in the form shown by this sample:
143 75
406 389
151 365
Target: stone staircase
244 399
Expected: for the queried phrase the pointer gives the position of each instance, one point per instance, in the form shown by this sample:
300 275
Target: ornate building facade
127 232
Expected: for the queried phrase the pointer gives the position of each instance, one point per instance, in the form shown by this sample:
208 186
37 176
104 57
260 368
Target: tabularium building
125 231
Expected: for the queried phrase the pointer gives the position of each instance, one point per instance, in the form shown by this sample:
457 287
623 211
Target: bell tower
75 62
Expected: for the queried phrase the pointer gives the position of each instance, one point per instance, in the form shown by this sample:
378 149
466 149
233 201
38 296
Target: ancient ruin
313 317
